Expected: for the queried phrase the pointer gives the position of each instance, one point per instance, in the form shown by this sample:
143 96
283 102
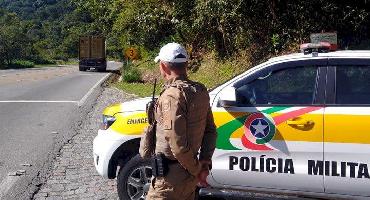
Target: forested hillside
41 31
48 30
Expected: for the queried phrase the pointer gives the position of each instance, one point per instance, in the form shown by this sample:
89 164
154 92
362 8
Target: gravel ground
73 174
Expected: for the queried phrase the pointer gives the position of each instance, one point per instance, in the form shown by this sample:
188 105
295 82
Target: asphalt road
40 109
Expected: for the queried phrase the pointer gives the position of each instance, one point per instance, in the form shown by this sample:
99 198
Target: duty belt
160 165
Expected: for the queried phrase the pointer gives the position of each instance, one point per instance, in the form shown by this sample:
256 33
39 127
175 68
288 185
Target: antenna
155 85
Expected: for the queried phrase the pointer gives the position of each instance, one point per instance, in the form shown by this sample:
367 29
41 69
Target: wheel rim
138 182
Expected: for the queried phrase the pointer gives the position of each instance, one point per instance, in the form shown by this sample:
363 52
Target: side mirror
227 97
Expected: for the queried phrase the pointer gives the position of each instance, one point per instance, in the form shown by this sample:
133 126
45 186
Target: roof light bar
321 47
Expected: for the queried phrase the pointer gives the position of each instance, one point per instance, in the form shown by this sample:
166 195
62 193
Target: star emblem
259 129
260 126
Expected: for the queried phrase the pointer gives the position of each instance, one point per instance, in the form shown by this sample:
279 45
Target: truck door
273 130
347 130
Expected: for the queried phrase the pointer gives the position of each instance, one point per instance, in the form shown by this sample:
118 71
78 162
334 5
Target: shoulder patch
166 105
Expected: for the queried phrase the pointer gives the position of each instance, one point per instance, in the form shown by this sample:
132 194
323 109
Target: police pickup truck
294 125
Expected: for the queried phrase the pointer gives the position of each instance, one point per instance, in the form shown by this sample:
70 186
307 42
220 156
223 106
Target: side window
353 85
287 86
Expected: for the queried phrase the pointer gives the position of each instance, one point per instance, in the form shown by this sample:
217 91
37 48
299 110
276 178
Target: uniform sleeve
209 139
147 142
174 124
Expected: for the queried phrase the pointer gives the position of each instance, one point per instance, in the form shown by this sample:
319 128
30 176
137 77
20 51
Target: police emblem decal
259 129
256 134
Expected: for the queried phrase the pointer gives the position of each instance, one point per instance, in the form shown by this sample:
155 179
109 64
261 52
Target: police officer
185 127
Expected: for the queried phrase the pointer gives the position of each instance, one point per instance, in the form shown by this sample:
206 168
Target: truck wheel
82 69
133 180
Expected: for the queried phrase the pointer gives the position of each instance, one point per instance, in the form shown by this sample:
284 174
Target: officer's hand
202 178
206 164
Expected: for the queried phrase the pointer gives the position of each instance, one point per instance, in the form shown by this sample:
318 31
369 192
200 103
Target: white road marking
79 103
6 184
84 98
36 101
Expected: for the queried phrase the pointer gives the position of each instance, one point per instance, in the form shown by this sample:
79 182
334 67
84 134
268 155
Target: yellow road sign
131 53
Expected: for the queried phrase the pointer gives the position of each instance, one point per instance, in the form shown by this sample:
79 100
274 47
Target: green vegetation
43 31
211 72
223 37
131 74
140 89
21 64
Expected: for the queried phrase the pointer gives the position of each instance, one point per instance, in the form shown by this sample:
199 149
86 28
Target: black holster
160 165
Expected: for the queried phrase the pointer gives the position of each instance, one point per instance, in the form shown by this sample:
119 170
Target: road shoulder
73 174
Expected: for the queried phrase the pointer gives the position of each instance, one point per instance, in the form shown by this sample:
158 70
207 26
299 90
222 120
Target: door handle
300 123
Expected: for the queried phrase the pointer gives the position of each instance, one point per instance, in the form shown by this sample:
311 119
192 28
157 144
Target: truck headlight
108 121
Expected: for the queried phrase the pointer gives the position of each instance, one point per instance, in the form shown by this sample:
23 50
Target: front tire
134 179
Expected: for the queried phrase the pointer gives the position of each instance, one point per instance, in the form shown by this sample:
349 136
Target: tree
13 40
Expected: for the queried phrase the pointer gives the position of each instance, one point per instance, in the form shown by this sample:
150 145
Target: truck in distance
92 53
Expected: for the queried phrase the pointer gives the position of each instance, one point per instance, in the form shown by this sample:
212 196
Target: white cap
172 52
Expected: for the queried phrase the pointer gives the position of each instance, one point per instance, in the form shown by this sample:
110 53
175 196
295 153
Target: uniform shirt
185 123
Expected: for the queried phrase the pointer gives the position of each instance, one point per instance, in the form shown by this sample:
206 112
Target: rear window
353 85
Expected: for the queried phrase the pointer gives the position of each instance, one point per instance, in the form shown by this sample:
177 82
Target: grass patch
131 74
213 72
20 64
140 89
68 62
